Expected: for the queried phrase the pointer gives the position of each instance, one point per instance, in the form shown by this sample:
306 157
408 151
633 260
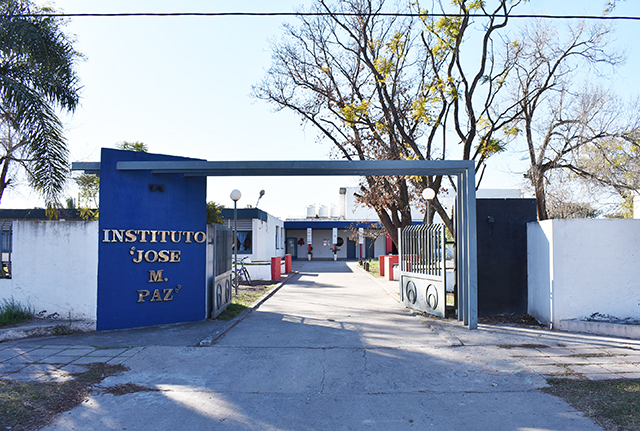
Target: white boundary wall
55 267
580 267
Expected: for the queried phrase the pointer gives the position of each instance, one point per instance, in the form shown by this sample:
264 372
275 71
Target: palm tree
37 77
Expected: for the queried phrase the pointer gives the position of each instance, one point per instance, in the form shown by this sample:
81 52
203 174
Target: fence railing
423 249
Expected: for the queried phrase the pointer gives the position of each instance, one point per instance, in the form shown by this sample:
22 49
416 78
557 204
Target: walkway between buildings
330 350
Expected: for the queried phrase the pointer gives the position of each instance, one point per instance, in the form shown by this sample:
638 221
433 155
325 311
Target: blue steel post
470 268
473 250
461 270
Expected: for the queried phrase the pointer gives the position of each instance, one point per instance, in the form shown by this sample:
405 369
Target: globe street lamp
235 196
428 194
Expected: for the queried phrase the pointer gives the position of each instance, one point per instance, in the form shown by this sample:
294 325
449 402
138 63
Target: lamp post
428 194
259 197
235 196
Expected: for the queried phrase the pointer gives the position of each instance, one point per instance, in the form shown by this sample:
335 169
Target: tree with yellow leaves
396 87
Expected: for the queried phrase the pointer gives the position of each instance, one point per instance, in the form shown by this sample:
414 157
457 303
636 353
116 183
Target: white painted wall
498 194
581 267
264 239
55 267
539 268
259 271
55 264
356 211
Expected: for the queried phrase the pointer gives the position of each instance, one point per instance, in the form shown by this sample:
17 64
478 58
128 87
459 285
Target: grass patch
12 312
231 311
32 405
374 268
246 296
450 299
612 404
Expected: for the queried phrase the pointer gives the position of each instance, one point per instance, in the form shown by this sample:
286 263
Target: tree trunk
3 176
541 202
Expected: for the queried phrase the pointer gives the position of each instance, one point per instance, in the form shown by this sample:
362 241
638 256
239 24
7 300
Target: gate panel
422 268
219 275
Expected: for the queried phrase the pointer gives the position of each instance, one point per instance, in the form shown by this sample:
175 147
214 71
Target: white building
347 216
260 235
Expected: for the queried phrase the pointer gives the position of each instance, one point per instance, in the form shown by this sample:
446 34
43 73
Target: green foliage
625 207
614 165
87 213
395 88
140 147
355 112
37 76
89 184
12 312
244 300
489 147
213 213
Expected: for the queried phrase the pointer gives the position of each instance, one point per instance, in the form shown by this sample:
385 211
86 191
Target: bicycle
241 273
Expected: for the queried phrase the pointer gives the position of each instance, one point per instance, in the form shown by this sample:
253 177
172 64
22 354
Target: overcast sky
182 86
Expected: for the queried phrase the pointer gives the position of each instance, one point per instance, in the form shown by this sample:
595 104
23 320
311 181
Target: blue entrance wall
152 245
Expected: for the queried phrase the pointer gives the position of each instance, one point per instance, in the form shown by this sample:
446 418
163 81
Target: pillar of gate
152 245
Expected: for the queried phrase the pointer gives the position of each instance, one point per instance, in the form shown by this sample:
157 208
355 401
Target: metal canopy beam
301 168
465 197
87 167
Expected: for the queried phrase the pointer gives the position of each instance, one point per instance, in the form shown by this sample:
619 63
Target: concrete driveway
333 350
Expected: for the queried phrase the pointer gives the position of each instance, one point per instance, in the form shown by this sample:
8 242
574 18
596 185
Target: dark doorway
351 248
292 247
370 248
502 255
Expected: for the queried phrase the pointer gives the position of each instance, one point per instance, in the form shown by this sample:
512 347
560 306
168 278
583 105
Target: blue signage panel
152 246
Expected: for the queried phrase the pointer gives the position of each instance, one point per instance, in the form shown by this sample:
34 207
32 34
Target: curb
601 328
394 295
218 333
438 328
46 329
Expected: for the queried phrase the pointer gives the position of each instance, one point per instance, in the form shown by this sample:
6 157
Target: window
244 241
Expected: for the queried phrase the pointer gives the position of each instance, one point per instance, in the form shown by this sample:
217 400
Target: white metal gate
422 268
